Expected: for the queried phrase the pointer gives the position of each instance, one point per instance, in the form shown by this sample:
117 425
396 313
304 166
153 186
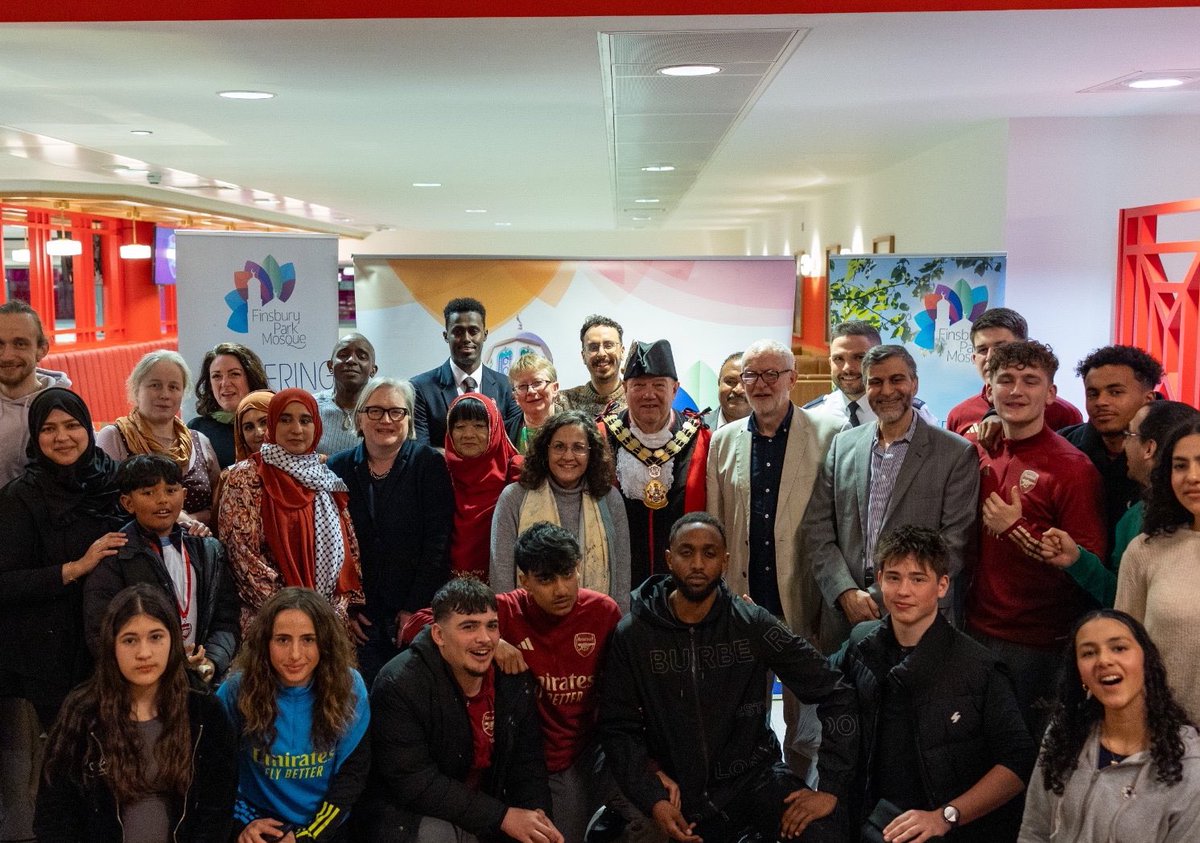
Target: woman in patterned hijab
283 515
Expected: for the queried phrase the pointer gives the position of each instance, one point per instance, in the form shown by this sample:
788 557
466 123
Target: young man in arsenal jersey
559 632
1019 606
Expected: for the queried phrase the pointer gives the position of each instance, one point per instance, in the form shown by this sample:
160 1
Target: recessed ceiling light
345 219
1152 83
427 184
140 132
646 201
130 171
246 95
476 210
689 70
640 219
658 168
504 224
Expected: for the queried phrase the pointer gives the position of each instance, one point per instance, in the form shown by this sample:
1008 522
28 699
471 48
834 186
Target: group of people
471 605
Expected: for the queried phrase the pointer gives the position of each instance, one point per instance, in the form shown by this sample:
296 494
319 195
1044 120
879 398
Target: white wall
1067 180
949 198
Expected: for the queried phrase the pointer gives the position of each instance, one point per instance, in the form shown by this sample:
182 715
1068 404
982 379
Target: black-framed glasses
769 377
377 413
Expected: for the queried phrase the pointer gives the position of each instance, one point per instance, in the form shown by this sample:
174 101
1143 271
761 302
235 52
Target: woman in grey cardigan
567 480
1121 759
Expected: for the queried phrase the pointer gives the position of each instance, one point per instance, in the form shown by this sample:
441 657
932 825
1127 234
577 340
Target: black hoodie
692 699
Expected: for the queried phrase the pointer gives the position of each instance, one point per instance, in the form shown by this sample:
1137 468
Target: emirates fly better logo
275 283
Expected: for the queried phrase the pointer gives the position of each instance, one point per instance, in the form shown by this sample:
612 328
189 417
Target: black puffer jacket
138 562
422 748
964 714
80 808
693 699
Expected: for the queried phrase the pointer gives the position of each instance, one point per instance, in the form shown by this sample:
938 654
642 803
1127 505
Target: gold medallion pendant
654 495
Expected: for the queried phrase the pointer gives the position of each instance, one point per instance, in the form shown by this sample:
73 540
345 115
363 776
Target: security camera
154 178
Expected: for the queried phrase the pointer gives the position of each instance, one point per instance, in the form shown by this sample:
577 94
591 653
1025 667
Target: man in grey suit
761 471
896 470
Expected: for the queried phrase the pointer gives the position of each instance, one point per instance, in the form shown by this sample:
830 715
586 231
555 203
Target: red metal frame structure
65 295
1153 311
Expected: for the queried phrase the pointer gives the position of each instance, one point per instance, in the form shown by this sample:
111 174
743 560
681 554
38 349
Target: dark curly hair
599 475
463 304
256 375
333 688
1146 369
1075 715
1164 513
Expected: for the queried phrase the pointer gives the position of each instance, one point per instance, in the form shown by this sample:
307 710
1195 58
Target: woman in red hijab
481 462
283 516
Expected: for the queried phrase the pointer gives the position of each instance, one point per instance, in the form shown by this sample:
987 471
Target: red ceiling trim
39 11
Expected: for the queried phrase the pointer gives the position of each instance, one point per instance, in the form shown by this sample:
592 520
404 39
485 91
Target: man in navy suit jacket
466 330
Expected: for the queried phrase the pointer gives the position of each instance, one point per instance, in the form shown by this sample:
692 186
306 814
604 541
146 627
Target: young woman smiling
136 754
298 704
1120 760
1159 579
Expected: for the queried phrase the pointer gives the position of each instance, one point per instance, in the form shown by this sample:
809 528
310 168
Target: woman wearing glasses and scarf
402 507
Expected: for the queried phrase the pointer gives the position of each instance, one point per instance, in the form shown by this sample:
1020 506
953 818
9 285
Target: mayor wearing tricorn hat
660 455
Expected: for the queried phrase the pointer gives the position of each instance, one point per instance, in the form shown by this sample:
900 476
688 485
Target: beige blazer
809 439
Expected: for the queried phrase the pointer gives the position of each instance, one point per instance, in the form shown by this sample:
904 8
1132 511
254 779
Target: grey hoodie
1119 804
14 425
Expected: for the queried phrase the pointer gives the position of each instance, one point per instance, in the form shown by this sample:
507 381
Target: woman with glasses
402 507
534 383
567 480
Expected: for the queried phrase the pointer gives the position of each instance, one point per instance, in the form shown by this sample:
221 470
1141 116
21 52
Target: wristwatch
950 815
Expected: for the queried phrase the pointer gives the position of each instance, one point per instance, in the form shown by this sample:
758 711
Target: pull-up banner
276 294
927 303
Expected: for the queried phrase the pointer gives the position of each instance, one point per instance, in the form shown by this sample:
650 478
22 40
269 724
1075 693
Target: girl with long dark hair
1120 760
136 754
300 707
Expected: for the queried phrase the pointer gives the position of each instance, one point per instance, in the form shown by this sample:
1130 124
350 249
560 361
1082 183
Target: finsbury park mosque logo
275 285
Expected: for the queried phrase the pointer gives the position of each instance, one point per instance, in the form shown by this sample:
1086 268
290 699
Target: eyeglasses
579 449
532 386
393 413
769 377
1129 434
608 346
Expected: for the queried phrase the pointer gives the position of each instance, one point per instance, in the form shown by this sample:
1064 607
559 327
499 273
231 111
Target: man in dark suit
466 331
896 470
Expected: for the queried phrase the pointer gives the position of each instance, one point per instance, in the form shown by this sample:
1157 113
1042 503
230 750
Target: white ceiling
515 116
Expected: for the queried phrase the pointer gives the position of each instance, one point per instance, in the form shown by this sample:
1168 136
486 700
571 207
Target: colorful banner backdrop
707 308
926 303
273 293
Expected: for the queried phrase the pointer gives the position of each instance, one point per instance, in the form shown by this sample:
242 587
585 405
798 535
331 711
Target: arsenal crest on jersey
1029 479
585 642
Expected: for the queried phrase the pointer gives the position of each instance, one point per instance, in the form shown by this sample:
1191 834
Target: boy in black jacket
944 752
191 570
457 744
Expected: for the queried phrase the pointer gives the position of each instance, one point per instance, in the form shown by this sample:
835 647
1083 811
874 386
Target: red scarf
288 513
478 482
